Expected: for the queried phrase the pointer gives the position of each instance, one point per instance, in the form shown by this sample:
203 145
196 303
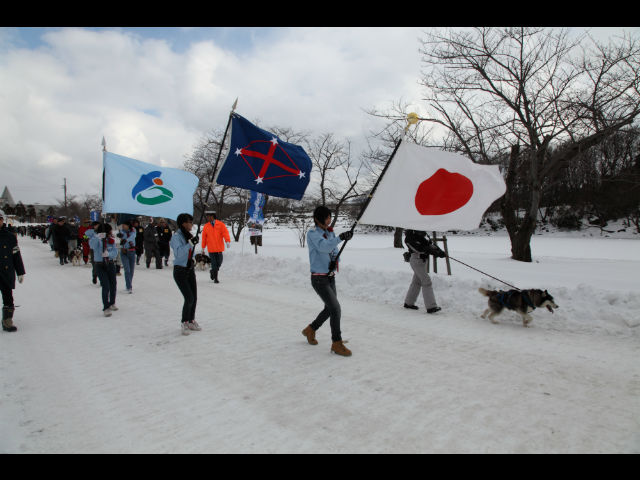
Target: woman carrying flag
183 243
322 244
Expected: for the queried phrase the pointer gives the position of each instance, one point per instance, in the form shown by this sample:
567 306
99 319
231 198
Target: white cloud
153 102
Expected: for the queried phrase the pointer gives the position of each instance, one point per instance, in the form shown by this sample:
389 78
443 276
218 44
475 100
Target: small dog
202 260
76 256
522 302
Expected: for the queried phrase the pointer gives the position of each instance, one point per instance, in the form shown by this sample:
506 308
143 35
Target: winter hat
211 213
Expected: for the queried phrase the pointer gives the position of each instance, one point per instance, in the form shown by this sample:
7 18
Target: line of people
322 243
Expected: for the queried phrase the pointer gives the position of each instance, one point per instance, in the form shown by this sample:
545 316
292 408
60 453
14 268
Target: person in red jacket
214 235
86 225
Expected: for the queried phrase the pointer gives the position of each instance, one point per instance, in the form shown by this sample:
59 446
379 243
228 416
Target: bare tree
514 93
339 173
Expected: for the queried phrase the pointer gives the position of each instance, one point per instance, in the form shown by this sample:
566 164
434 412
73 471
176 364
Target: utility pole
65 195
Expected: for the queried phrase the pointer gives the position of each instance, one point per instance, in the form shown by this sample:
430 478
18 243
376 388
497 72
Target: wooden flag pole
215 167
412 118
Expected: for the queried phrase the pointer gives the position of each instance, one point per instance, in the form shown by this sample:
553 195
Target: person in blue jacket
105 251
323 251
127 236
183 243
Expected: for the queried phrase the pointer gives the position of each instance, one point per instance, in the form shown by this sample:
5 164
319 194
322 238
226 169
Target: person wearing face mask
10 265
322 243
105 252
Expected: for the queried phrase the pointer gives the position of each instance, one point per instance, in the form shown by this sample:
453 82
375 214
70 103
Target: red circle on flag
444 192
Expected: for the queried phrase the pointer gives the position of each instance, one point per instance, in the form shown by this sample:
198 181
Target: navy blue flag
260 161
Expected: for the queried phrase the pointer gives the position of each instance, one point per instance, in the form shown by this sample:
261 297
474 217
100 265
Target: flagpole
215 167
412 118
104 151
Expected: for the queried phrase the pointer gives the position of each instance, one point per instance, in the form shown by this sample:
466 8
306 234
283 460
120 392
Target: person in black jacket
61 235
420 248
164 237
10 266
139 239
151 248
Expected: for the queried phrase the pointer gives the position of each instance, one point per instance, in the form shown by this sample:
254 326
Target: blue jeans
325 287
128 263
107 275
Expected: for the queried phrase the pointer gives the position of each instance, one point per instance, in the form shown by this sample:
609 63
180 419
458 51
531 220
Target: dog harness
505 297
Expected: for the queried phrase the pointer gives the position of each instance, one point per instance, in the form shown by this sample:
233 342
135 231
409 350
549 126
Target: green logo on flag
147 188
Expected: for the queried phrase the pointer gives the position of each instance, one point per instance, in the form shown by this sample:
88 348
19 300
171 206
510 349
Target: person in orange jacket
214 235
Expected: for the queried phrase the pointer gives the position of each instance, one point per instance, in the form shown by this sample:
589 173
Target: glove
119 235
20 278
346 235
122 242
437 252
194 240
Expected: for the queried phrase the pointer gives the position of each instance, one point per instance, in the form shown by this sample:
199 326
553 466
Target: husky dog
202 260
76 256
521 301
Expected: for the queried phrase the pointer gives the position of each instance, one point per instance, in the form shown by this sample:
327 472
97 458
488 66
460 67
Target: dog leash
473 268
484 273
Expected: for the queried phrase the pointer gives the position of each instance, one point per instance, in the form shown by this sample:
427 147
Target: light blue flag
132 186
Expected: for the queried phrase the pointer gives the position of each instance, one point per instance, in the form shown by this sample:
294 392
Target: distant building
41 211
6 198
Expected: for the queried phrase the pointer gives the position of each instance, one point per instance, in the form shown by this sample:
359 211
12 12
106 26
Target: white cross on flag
432 190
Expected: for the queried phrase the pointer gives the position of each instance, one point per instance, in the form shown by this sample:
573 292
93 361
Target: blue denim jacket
129 237
181 249
322 249
96 245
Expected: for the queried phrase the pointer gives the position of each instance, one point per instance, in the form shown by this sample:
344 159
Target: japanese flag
429 189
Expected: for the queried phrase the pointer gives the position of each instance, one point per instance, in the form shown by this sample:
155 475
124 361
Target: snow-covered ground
75 381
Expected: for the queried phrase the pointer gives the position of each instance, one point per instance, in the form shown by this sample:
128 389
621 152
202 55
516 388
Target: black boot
7 319
412 307
215 278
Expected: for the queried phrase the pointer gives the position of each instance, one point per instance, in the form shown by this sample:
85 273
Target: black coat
10 258
164 234
421 245
61 235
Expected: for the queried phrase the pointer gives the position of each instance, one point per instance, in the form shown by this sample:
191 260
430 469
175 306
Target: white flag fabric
432 190
132 186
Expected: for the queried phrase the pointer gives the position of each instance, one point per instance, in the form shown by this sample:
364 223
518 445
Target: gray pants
420 280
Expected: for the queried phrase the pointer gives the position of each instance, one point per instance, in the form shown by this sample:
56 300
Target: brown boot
7 319
339 348
310 333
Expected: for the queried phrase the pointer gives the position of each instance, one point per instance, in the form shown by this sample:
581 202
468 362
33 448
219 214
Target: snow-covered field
75 381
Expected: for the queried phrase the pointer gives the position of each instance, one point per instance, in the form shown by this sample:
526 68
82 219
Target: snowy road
76 382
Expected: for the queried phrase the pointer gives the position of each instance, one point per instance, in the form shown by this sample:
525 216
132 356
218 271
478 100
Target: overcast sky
154 92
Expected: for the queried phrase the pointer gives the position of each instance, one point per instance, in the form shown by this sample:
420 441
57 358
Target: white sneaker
113 308
185 328
193 325
107 312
